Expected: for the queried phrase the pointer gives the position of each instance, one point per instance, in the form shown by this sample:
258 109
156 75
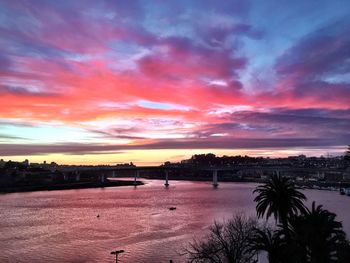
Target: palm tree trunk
284 222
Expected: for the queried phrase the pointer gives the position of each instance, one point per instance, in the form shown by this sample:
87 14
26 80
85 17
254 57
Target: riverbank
315 185
84 185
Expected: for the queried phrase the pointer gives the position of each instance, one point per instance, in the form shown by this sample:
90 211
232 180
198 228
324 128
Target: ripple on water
62 226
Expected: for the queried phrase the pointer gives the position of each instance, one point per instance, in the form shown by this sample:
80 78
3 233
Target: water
62 226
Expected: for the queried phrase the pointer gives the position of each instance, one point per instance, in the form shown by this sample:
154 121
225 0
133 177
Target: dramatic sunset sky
96 81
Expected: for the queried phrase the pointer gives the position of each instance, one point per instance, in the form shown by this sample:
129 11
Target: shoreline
323 186
115 182
72 186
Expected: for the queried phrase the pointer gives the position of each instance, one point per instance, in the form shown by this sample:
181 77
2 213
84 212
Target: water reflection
59 226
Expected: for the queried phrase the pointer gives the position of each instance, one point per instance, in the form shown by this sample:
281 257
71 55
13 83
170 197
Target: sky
103 82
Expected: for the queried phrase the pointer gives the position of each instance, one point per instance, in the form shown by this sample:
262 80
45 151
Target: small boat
172 208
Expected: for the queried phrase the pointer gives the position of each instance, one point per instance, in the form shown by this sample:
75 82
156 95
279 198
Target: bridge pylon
137 175
166 178
215 178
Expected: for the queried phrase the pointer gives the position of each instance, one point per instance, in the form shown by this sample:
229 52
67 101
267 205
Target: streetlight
116 253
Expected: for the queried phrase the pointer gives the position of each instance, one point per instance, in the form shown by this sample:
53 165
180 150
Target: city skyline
89 82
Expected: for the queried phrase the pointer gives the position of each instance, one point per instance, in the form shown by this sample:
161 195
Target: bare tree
227 242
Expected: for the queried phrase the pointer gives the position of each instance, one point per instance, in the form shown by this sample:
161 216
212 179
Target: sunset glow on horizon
103 82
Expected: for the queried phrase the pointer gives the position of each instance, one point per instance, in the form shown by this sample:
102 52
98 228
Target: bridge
112 171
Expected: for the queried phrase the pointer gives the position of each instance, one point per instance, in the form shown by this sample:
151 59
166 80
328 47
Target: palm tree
279 197
269 241
318 234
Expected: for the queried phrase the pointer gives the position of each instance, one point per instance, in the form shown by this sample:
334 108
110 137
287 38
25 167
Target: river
62 226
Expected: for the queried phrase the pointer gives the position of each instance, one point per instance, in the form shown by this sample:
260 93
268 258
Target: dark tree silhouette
303 235
347 154
226 242
279 197
271 242
319 236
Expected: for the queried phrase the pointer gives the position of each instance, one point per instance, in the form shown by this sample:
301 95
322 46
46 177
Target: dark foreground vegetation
301 234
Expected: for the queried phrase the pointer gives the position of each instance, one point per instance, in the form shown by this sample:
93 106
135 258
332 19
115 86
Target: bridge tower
215 178
166 178
137 175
